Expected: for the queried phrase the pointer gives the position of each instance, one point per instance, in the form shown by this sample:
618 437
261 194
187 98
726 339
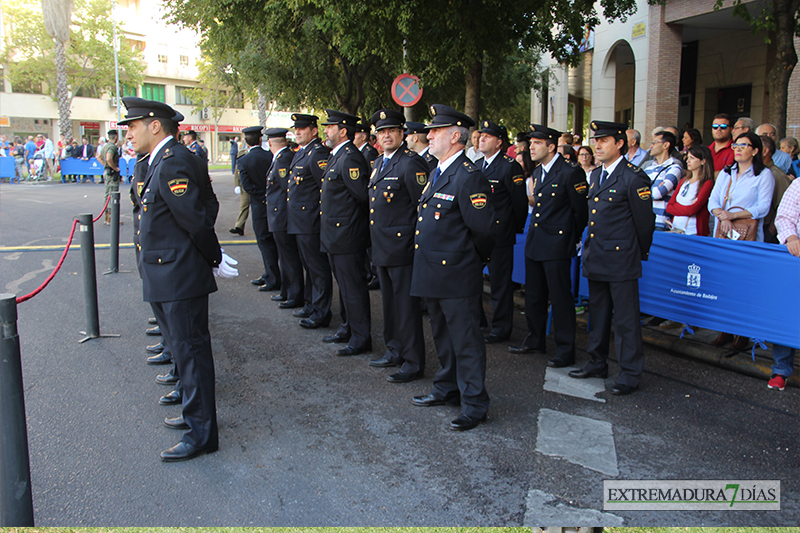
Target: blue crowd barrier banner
746 288
77 167
126 167
7 167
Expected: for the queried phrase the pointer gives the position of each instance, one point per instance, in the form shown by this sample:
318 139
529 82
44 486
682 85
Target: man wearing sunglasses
721 147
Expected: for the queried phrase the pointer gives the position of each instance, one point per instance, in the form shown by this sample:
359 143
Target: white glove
237 190
225 268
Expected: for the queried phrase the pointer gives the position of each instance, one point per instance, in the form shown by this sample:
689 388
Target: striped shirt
663 180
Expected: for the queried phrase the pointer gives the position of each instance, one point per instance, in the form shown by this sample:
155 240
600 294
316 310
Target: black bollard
114 232
16 500
86 226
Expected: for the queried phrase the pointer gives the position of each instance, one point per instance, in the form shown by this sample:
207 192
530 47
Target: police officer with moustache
510 204
178 250
292 287
417 140
398 177
345 231
303 220
560 211
253 168
362 143
454 237
621 224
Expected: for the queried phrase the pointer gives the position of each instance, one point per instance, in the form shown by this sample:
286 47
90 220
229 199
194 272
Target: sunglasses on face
719 126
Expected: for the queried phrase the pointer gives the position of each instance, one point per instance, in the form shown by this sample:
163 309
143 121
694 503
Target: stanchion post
16 500
114 232
86 226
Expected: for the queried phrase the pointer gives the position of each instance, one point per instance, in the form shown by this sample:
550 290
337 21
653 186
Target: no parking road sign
406 90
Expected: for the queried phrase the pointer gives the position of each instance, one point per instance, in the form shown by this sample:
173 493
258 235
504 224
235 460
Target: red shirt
723 158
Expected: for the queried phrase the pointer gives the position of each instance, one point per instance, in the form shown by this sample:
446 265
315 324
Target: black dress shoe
152 321
620 389
560 363
300 313
493 339
292 304
404 377
309 323
278 298
259 281
465 423
176 423
159 359
374 284
383 362
154 331
172 398
430 400
524 349
583 374
269 288
350 350
166 379
155 348
335 338
183 452
237 231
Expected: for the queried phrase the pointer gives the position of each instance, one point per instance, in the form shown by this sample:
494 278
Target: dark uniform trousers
303 221
557 221
621 225
266 242
395 187
345 237
292 286
184 326
454 236
501 266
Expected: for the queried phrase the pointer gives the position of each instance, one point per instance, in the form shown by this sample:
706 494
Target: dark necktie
603 176
485 164
383 165
436 174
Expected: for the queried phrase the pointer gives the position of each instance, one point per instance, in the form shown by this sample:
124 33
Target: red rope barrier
103 211
55 270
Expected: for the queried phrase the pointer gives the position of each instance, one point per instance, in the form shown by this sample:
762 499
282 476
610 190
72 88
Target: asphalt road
311 439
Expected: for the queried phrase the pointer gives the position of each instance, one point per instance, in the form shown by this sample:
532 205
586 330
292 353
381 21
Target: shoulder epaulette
167 153
410 153
573 164
470 167
633 167
509 159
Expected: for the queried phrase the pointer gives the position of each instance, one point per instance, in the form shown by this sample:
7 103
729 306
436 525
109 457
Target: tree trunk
62 91
784 62
472 98
262 108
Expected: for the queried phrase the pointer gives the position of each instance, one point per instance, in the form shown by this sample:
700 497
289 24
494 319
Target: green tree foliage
29 50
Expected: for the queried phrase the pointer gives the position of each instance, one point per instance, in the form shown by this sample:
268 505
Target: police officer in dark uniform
558 198
178 250
292 286
621 224
510 204
454 237
253 168
303 199
344 233
362 143
417 140
398 177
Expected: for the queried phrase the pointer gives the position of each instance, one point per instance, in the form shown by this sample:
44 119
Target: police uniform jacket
343 210
198 150
137 185
454 234
621 224
431 160
178 246
394 192
370 153
560 212
253 168
277 184
305 186
509 197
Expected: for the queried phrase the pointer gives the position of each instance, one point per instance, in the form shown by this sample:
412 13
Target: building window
128 90
162 58
182 96
237 101
151 91
135 45
184 61
30 88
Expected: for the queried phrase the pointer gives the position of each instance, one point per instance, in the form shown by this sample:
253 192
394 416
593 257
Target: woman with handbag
689 204
740 200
